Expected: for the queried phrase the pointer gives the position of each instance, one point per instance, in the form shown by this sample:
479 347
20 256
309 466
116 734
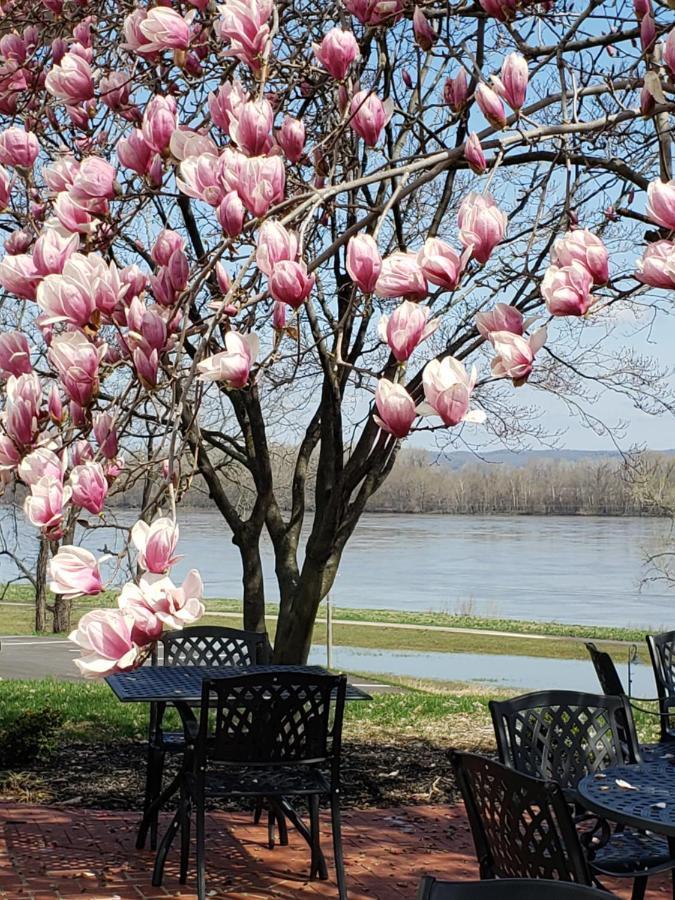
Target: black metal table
647 803
183 684
182 687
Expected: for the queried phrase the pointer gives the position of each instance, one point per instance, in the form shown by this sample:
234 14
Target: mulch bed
397 773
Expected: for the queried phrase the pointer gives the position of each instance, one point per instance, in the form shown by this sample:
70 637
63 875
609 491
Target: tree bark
62 609
253 582
41 587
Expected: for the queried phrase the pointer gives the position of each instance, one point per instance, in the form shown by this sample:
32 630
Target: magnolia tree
242 229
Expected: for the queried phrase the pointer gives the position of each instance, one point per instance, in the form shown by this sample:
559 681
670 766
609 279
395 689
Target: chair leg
283 827
153 786
639 888
337 845
258 811
315 866
185 839
271 819
201 845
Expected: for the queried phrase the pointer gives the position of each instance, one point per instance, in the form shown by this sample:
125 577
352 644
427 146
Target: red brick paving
49 853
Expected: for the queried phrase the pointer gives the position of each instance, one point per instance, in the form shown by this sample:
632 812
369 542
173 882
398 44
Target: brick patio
48 853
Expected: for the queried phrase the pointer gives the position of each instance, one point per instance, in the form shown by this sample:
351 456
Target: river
567 569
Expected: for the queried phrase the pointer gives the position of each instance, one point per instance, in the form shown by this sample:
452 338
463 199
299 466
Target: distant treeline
420 483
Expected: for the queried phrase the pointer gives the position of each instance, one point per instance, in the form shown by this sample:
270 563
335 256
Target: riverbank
430 632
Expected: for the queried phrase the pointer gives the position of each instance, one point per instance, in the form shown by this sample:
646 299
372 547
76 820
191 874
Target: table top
171 684
642 796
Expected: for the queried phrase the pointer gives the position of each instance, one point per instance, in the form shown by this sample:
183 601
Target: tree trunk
62 610
252 580
293 639
41 587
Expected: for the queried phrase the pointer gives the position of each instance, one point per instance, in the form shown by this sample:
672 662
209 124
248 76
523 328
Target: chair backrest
263 718
506 889
521 826
662 653
609 679
563 735
209 645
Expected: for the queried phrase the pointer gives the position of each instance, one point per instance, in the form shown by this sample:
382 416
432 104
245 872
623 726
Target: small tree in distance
240 229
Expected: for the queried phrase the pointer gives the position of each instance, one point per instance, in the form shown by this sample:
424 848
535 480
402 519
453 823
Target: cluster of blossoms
115 640
657 266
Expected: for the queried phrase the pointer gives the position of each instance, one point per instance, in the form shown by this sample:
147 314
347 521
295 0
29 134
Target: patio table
182 687
647 805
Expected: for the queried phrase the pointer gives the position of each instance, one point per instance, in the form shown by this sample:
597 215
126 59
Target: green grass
566 640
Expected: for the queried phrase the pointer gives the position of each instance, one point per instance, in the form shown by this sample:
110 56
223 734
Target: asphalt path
52 657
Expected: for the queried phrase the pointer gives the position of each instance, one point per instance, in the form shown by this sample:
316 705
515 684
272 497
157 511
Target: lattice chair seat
628 851
256 781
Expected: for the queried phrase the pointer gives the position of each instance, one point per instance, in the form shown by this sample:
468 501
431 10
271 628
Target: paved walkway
63 854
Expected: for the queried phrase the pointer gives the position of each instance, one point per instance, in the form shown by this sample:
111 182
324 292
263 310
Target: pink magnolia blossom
502 317
106 435
6 187
18 241
72 216
482 225
279 315
22 409
39 463
364 262
395 407
19 276
261 183
275 243
447 392
657 266
55 406
244 24
135 39
114 89
473 153
585 247
146 365
502 10
369 115
166 244
60 174
251 129
290 283
233 364
199 178
81 452
455 91
660 203
647 32
95 180
175 607
147 627
440 263
231 214
514 354
512 85
159 123
44 507
63 299
491 106
105 637
18 148
165 29
407 327
291 138
425 35
669 51
337 51
14 354
89 487
9 459
76 361
135 153
226 104
156 544
74 572
567 289
53 249
71 81
375 12
401 276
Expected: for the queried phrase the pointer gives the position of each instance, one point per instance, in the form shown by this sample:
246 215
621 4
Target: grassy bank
379 629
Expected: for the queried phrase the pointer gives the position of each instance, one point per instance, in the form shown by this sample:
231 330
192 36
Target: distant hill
520 458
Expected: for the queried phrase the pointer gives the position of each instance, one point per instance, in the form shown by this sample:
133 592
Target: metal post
329 633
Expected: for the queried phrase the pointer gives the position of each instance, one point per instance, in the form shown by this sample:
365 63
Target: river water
554 568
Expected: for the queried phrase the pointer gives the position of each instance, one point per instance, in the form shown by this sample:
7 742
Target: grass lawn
565 641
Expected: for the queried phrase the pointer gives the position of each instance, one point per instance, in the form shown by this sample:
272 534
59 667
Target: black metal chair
521 826
662 654
563 735
264 736
505 889
610 682
198 645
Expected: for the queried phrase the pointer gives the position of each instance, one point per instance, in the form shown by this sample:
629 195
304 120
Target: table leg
671 851
154 808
